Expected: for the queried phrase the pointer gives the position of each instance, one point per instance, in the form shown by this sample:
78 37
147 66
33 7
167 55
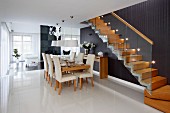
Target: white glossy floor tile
28 92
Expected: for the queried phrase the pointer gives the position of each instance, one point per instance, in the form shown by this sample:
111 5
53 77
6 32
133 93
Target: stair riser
121 46
140 66
103 28
159 84
112 40
133 59
158 104
149 74
106 32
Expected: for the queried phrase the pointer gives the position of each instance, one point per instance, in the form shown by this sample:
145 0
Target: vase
86 51
17 60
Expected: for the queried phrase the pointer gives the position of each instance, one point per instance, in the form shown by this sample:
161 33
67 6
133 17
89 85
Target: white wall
26 28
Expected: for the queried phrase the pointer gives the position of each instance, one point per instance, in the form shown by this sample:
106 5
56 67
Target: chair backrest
72 56
90 61
58 74
45 62
50 65
80 57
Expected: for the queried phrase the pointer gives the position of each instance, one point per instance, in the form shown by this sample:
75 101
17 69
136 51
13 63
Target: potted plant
87 46
16 55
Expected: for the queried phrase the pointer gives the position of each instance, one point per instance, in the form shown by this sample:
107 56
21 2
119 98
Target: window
23 43
73 49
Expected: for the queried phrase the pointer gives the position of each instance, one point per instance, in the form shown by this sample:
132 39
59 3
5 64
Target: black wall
152 18
46 42
115 66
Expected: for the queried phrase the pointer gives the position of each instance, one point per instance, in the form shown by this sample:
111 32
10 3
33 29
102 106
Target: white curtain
4 49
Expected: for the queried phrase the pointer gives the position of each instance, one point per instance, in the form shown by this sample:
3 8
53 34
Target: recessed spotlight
71 16
63 20
138 49
153 62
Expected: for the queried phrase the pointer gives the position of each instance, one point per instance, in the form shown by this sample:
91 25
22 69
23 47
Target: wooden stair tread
158 104
131 55
145 70
137 62
162 93
156 82
154 79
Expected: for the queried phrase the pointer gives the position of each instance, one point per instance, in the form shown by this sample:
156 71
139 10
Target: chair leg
68 83
59 90
48 78
92 83
51 82
81 83
56 85
86 80
75 85
44 74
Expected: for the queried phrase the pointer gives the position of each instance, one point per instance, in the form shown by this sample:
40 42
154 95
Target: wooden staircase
157 93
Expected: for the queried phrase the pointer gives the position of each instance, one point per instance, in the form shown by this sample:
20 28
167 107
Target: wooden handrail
132 28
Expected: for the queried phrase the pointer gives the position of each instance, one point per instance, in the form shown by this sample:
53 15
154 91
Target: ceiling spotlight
71 17
57 24
63 20
127 39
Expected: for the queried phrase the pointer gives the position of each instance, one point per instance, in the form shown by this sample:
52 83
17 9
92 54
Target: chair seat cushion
83 74
67 77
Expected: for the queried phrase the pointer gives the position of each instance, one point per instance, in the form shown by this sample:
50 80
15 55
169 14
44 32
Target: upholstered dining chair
87 73
50 69
60 78
80 57
72 56
45 65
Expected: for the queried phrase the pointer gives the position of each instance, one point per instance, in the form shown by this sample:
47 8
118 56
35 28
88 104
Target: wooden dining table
76 67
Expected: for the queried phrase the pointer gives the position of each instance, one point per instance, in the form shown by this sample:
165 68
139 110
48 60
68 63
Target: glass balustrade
129 45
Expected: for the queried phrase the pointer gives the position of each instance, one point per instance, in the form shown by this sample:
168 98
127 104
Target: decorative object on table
87 46
66 52
16 55
100 54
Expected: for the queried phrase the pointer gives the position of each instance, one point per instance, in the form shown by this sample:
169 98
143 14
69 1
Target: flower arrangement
87 45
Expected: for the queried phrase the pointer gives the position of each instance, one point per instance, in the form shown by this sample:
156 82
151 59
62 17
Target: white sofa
30 59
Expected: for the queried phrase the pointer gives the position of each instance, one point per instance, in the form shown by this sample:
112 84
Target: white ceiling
50 12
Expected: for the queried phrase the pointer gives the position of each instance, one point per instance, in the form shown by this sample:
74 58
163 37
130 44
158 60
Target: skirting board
124 83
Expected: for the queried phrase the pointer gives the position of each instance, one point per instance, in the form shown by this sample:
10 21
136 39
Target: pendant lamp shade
54 42
71 43
57 43
60 43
